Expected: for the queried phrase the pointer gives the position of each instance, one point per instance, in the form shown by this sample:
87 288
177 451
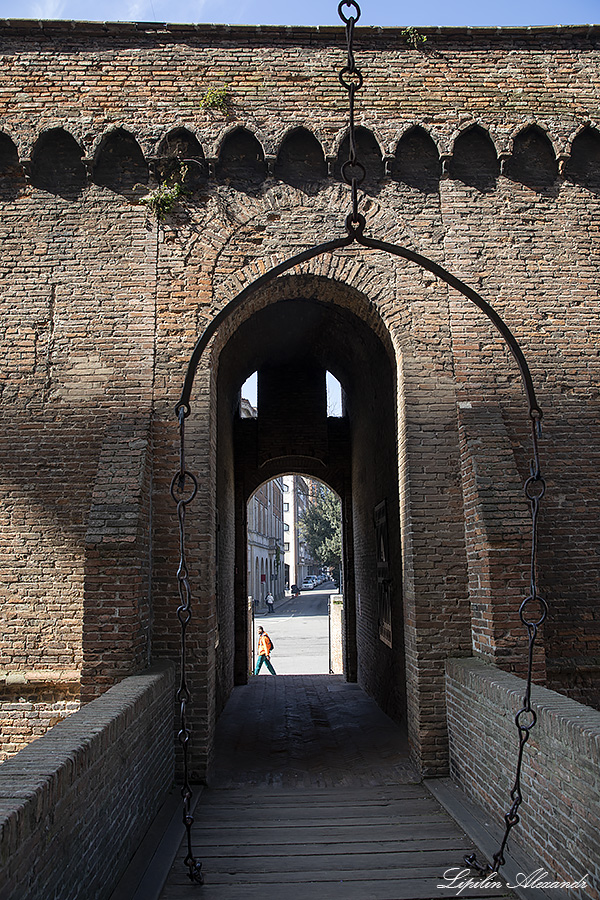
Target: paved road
299 629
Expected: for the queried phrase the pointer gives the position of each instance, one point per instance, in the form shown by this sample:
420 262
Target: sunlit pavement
299 629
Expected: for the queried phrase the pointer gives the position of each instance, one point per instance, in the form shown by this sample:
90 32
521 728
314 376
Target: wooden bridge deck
312 795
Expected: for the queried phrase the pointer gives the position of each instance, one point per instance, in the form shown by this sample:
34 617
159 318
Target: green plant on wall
162 199
216 99
413 37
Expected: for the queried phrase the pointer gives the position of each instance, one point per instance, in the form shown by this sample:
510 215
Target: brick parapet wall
75 804
280 90
560 813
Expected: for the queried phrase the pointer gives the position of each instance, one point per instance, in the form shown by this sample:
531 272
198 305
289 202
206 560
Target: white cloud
137 10
49 9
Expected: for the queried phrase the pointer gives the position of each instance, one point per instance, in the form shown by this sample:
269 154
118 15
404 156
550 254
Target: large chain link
532 612
533 609
184 488
351 78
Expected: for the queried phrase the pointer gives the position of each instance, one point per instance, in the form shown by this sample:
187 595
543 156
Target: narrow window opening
249 397
334 397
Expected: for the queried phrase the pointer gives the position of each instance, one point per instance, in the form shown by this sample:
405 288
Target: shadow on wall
58 164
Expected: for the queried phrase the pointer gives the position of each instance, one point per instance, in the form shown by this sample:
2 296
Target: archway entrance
294 529
292 344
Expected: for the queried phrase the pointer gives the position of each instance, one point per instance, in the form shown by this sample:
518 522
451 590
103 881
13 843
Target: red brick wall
78 801
101 309
559 815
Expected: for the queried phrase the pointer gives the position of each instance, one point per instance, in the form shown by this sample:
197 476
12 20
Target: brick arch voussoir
231 128
355 266
542 127
324 219
488 130
373 275
588 124
325 282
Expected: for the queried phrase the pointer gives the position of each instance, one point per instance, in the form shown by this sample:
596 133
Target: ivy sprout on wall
163 198
413 37
216 99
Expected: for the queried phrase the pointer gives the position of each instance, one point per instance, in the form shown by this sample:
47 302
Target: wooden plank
299 796
381 873
438 860
253 819
343 890
416 811
299 834
452 844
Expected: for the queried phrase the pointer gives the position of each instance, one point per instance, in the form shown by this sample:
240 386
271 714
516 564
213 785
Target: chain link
351 78
354 173
184 488
526 718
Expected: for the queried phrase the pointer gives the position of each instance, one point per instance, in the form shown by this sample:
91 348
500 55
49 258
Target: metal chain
183 497
351 78
532 612
353 173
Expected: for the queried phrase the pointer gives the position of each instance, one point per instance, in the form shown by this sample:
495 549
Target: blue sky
311 12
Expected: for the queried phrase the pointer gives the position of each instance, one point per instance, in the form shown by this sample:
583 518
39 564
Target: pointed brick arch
12 177
583 165
533 160
119 163
417 160
241 162
300 160
474 160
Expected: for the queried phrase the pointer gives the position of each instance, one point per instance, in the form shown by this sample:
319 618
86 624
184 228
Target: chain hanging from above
354 174
533 610
184 488
532 618
351 78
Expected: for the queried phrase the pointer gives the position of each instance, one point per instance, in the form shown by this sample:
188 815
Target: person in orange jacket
265 645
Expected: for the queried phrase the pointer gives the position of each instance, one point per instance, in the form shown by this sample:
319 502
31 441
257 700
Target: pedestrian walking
270 602
265 645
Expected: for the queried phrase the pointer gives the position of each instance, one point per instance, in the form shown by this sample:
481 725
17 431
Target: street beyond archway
299 629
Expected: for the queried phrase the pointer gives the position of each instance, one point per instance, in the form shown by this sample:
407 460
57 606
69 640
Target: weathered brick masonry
482 154
77 803
560 817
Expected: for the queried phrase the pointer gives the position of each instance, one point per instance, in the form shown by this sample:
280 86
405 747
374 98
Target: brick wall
560 813
31 703
484 165
76 803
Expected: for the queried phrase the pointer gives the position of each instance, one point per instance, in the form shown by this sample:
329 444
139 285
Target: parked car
309 583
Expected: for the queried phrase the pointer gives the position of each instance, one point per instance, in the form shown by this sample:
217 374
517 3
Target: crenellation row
58 163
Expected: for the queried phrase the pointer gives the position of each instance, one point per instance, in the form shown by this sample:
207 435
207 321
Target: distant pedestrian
265 645
270 602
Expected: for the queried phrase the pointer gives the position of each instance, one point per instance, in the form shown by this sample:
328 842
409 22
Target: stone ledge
557 714
60 677
177 31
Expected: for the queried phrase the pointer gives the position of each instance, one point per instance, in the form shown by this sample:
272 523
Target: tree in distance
321 527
